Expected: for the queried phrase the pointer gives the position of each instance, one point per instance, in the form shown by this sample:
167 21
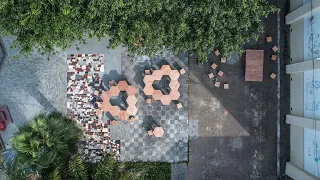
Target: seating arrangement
162 95
113 92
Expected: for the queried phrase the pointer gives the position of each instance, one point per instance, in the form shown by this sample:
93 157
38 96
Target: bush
48 140
146 170
47 149
144 27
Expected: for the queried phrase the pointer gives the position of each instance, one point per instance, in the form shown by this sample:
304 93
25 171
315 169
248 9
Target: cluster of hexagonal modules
158 94
114 92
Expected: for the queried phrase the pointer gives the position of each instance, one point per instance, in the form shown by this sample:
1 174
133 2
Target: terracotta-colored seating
275 48
273 76
182 71
132 120
214 66
150 132
226 86
122 85
148 101
269 39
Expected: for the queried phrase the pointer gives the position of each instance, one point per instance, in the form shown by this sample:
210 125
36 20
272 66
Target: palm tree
48 140
77 169
106 169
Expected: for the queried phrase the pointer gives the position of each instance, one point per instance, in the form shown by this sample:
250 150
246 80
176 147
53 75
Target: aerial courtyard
172 114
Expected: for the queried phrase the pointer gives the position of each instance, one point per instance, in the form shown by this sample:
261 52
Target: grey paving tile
140 146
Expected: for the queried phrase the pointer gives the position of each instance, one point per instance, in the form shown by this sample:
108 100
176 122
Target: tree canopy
144 27
46 141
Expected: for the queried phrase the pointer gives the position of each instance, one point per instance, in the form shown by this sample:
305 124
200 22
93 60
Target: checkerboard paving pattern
136 145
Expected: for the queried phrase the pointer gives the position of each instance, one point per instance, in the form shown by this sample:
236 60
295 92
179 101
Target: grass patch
146 170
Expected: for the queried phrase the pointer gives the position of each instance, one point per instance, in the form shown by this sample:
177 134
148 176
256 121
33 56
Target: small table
165 99
165 69
132 120
131 90
113 91
148 89
132 100
158 132
114 111
174 74
174 95
106 106
148 101
174 84
132 110
122 85
148 79
157 94
157 75
150 132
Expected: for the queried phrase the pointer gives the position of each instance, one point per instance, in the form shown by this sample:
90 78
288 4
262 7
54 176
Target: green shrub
48 140
144 27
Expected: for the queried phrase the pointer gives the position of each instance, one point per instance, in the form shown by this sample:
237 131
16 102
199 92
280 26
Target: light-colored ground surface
34 85
31 86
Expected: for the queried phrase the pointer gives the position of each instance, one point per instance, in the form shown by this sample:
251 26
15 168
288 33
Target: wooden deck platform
254 65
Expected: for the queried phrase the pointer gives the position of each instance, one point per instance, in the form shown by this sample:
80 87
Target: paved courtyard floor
35 85
135 143
231 133
238 126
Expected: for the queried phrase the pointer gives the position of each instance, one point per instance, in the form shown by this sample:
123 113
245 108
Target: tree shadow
244 102
230 158
113 75
31 79
149 122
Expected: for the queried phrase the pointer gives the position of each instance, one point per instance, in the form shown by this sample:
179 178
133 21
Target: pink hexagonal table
113 91
165 69
104 96
131 90
165 100
148 79
132 100
174 84
174 74
122 85
132 110
114 111
106 106
157 94
148 89
174 95
157 75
